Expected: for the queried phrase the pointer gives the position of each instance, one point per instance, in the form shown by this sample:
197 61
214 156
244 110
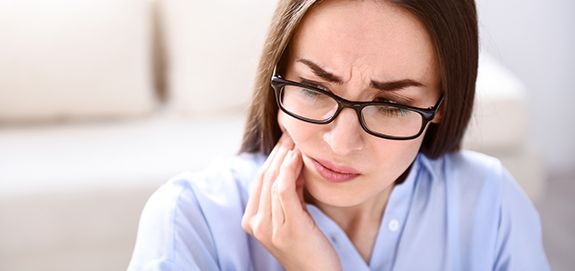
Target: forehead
379 38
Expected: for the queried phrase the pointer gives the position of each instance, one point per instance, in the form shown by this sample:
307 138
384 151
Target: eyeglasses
382 119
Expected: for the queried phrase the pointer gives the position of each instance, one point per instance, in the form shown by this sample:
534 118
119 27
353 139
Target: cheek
399 152
302 133
379 157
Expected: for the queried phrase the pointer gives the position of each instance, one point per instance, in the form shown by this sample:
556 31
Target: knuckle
246 224
279 240
258 228
269 176
283 191
258 231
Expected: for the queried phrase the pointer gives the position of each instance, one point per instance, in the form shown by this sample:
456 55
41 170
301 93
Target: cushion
212 50
72 194
500 115
67 59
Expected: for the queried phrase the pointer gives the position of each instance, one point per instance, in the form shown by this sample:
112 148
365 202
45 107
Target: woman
350 158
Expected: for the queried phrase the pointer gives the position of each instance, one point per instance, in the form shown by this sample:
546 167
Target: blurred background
101 101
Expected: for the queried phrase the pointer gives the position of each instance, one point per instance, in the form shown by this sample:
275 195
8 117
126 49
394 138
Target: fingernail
294 152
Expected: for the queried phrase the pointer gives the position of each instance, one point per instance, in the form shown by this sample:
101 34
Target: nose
345 134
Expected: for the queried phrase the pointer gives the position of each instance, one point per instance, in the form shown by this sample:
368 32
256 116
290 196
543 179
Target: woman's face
355 43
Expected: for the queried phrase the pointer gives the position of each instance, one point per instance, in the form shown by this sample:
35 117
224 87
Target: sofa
102 101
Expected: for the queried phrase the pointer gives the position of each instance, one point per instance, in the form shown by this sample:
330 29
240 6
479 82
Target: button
393 225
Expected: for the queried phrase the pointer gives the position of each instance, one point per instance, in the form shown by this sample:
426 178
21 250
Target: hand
276 215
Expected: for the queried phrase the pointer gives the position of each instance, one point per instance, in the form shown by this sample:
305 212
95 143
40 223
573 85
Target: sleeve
519 244
171 237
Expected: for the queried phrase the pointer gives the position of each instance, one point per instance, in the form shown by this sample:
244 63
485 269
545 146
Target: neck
365 214
360 222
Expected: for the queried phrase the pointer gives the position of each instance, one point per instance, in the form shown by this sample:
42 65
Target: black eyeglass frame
278 84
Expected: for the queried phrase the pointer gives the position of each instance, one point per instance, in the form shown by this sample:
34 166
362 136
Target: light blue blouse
462 211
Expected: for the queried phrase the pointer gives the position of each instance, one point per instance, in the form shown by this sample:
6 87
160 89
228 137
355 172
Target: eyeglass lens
380 119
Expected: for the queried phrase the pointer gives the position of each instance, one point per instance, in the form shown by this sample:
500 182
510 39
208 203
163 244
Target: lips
333 173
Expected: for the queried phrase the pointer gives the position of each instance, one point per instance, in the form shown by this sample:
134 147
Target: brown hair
452 26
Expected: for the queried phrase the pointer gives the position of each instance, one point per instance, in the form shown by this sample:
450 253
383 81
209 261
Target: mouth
333 173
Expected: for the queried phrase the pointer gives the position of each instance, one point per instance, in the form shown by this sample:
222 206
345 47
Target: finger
278 145
264 206
256 189
253 201
277 211
288 196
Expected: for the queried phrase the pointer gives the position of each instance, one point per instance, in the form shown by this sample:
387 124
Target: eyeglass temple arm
439 102
274 71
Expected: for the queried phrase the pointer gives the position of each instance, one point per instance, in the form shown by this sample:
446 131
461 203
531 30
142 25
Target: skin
357 41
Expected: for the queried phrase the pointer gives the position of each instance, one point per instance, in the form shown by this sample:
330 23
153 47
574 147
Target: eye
394 100
392 111
314 84
385 100
309 93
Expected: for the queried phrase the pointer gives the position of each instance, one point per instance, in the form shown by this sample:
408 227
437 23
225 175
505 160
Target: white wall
536 40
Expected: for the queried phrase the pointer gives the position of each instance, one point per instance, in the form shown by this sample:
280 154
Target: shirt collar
397 204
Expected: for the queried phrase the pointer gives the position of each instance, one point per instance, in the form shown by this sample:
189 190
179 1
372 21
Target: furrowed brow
395 85
317 70
384 86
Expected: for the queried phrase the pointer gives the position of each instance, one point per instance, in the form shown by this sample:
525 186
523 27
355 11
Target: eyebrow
383 86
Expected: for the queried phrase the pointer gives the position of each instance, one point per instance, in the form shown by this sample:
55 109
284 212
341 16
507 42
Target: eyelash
314 84
376 99
385 99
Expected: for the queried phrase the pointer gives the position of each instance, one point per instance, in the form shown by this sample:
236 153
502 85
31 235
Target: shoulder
202 208
222 181
464 162
211 193
477 174
470 183
490 205
480 173
470 172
